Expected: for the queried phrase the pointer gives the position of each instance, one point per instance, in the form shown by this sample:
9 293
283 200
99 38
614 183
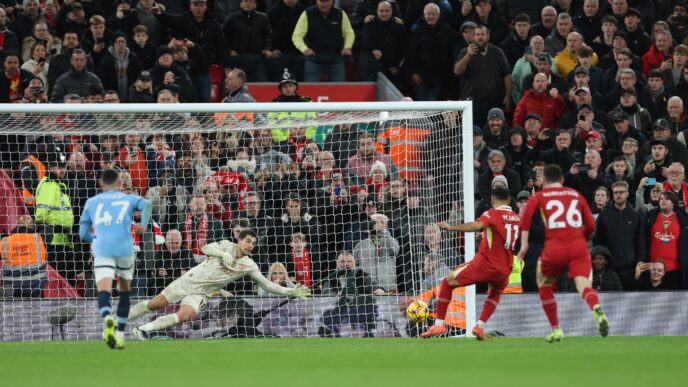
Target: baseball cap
633 12
468 25
543 57
523 195
582 88
619 116
477 130
658 142
661 123
581 70
495 113
533 116
76 5
500 179
594 133
144 75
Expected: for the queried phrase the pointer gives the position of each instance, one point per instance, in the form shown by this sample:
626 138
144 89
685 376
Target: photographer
585 124
142 89
124 18
35 92
588 176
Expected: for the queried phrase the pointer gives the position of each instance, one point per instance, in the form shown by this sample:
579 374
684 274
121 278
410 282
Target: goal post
313 179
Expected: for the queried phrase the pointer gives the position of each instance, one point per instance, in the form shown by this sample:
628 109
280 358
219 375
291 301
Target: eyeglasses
630 144
675 173
620 192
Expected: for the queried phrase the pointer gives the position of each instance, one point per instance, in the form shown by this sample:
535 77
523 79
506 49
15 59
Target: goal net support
345 199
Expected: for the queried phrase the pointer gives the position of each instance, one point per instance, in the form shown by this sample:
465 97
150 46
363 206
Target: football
417 311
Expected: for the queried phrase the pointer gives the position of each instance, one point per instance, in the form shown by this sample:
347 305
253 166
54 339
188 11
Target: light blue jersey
111 213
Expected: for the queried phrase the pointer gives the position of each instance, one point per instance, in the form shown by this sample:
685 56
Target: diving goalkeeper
226 263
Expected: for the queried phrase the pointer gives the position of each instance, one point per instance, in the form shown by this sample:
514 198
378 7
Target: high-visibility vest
23 256
220 118
456 311
291 120
54 208
29 199
404 149
514 285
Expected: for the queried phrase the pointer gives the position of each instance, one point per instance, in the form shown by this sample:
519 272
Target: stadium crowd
594 86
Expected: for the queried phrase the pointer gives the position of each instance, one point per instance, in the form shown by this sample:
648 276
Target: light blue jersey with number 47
111 214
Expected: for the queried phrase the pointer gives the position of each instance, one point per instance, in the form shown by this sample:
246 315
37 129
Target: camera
581 117
584 168
36 91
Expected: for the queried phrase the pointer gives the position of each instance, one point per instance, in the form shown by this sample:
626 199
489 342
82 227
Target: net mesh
344 203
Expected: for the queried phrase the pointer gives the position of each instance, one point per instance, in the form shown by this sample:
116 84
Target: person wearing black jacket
560 154
620 229
119 68
518 153
515 44
171 262
166 72
123 19
355 289
60 63
249 39
283 18
604 278
536 241
383 41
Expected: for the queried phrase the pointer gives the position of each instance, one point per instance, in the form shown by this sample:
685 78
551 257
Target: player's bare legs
584 288
185 313
113 332
489 308
549 304
144 307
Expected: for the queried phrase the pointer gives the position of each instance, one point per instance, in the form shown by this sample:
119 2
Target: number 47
105 217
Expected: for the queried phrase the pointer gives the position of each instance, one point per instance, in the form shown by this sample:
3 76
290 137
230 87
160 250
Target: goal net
344 197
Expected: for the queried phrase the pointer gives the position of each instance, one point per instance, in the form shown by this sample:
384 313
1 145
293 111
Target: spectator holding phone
38 64
644 206
124 19
650 276
587 176
658 164
661 131
97 39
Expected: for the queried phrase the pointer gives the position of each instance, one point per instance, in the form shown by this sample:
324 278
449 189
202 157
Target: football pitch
592 361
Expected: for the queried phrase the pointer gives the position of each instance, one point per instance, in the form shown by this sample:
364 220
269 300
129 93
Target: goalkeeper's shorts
109 267
178 293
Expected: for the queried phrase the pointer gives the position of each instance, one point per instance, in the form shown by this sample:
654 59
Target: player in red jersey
568 224
492 264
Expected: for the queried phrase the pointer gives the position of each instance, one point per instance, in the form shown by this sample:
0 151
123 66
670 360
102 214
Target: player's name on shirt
560 193
511 217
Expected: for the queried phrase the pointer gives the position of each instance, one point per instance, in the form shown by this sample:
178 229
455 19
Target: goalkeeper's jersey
213 274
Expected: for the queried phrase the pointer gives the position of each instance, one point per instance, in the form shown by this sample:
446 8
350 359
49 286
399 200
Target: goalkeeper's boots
434 331
556 335
119 342
139 334
480 334
602 322
109 331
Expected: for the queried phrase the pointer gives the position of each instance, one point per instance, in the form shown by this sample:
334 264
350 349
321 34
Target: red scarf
302 267
684 191
201 234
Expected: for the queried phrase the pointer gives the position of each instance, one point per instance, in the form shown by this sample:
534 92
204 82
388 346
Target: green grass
586 362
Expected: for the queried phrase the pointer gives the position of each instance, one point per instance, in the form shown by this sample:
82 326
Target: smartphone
651 181
99 40
581 117
584 168
338 191
529 50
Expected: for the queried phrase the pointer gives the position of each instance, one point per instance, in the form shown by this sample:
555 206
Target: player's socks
161 323
443 300
104 304
591 298
139 310
549 304
123 311
489 307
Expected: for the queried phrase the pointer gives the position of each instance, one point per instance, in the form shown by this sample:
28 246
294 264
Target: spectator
548 20
622 124
434 270
621 77
124 18
497 163
659 55
482 14
171 261
665 230
61 63
567 59
556 40
324 35
641 204
676 183
658 163
237 91
673 71
199 229
23 261
603 277
37 64
168 75
295 219
277 274
620 229
199 26
480 153
435 243
383 41
143 46
343 143
97 39
586 74
14 80
40 33
377 254
620 170
603 41
518 154
674 114
486 75
78 80
515 44
592 177
364 207
662 132
495 131
355 288
650 276
260 221
119 68
168 200
545 65
360 165
249 39
601 201
589 23
283 18
141 91
639 40
527 64
547 104
583 103
299 263
55 217
656 95
24 19
72 17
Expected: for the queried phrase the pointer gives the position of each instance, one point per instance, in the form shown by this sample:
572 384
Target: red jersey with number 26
502 229
567 216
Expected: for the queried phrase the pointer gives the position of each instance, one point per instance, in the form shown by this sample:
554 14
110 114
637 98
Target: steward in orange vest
23 261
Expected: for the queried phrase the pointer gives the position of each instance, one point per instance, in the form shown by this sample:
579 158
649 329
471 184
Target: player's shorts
576 258
478 272
178 293
109 267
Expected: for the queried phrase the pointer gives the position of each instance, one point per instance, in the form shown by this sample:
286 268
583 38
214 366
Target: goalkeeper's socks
163 322
104 304
123 311
489 307
443 300
549 304
139 310
591 298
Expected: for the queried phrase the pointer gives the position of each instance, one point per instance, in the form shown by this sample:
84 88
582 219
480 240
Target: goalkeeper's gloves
300 291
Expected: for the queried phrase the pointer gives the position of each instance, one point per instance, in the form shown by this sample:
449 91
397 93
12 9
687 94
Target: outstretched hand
300 291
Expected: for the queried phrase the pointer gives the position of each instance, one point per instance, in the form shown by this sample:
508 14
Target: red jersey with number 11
566 214
502 229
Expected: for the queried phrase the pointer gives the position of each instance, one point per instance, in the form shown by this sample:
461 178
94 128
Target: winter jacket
653 59
207 34
621 231
108 72
607 279
247 32
79 83
388 37
430 50
550 109
181 79
377 256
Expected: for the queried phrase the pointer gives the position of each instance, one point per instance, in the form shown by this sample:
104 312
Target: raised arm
223 249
